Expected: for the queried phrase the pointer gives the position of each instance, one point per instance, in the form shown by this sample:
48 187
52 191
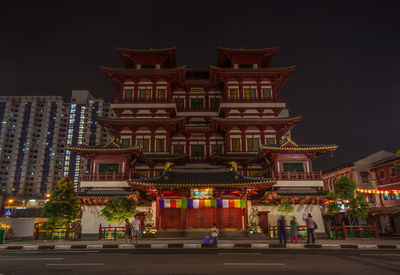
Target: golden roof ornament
233 166
167 167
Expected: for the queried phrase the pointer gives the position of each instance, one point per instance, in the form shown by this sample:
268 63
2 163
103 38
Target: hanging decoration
375 191
195 204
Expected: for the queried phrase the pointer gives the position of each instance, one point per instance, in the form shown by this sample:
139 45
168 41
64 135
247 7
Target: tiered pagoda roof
112 147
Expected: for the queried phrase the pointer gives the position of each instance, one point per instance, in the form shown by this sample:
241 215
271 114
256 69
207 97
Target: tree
397 165
346 197
63 206
285 207
117 210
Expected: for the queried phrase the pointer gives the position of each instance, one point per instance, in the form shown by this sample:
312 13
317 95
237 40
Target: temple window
270 141
214 103
148 66
246 66
293 167
252 144
392 172
197 103
159 145
128 94
382 174
144 94
180 104
108 167
216 148
254 173
235 145
234 94
267 93
142 173
178 149
250 94
126 141
161 94
197 150
144 143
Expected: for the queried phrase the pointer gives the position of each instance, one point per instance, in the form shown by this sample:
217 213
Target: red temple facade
201 146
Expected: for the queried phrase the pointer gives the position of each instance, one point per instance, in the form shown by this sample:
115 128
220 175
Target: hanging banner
195 204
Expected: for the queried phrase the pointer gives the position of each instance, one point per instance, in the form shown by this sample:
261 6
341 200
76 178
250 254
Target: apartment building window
364 177
234 94
178 149
252 144
159 145
382 174
197 103
144 94
144 143
161 94
236 145
128 94
250 94
267 94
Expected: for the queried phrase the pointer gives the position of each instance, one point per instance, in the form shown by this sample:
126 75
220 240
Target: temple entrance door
199 218
231 218
263 218
197 151
170 218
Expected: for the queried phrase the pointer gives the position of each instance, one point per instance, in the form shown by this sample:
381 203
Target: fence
111 233
301 231
353 232
66 234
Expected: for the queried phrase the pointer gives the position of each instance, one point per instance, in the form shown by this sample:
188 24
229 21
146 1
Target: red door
170 218
231 218
199 218
263 217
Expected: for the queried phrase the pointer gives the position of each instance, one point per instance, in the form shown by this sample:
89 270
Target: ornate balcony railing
298 175
114 176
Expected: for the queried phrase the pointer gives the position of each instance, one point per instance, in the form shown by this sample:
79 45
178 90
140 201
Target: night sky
346 85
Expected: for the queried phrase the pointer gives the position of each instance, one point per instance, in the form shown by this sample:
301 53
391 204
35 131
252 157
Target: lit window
159 145
252 144
250 94
144 143
236 144
161 94
144 94
234 94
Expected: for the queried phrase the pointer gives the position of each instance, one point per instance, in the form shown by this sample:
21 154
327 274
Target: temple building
201 146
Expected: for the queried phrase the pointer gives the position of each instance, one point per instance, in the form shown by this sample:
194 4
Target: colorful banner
195 204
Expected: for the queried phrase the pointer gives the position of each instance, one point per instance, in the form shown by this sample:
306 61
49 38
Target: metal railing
301 231
66 234
111 232
354 232
298 175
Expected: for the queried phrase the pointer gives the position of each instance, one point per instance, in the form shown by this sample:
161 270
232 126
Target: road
185 261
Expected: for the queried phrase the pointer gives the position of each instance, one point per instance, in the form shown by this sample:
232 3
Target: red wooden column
158 214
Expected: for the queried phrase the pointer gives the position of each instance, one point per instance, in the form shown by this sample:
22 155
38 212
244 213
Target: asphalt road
184 261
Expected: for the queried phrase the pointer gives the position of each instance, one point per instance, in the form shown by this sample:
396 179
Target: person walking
293 230
214 233
310 227
282 229
136 228
128 231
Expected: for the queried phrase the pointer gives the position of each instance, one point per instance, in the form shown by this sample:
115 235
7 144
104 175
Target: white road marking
80 264
31 259
397 255
254 264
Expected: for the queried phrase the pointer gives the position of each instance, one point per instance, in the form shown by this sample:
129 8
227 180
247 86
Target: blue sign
8 212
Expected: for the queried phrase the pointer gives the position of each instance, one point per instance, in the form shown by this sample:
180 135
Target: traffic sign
8 212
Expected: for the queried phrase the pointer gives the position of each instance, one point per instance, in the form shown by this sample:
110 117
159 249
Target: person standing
136 228
310 227
128 230
214 233
282 229
293 230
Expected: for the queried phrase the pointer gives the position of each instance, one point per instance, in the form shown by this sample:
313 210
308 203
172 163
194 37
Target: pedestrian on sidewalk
282 229
128 230
310 227
136 228
214 233
293 230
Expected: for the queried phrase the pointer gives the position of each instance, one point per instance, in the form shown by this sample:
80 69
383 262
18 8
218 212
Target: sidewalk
196 243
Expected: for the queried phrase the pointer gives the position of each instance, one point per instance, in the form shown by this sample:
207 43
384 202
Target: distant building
32 143
83 129
386 178
356 170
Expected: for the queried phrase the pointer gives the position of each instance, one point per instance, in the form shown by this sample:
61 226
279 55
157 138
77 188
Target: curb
200 246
